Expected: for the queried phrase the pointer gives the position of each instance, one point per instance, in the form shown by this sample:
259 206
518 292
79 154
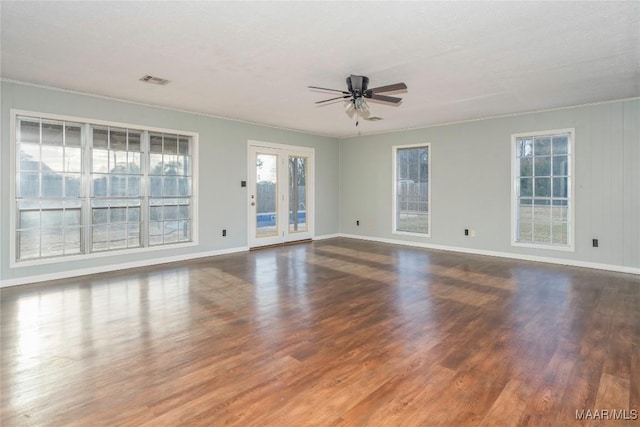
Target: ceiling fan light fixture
361 105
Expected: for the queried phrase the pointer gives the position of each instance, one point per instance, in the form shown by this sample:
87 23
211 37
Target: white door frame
283 151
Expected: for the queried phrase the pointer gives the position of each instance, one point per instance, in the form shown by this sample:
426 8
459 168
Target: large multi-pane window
48 188
411 189
542 188
82 188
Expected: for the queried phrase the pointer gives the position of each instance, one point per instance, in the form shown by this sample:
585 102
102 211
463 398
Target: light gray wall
223 164
471 176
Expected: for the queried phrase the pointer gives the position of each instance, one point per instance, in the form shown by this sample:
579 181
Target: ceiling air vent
154 80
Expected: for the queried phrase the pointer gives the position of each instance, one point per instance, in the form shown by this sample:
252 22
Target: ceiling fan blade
385 98
388 88
333 99
331 90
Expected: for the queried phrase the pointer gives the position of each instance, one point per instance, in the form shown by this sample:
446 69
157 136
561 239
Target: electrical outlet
358 222
595 243
224 233
466 231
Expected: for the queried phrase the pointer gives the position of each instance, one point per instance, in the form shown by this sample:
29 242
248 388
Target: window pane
28 244
118 185
170 187
184 186
133 215
560 233
99 237
72 217
559 213
100 216
171 165
29 131
560 145
155 164
51 185
133 162
543 166
72 136
134 141
100 185
100 140
133 235
184 231
183 212
52 133
52 158
118 215
29 185
525 224
170 144
29 157
117 236
118 139
155 213
526 187
100 161
72 184
52 242
52 218
542 146
72 241
560 187
72 159
156 186
171 231
542 187
155 233
29 219
524 147
542 222
526 166
170 212
133 187
560 165
183 145
155 141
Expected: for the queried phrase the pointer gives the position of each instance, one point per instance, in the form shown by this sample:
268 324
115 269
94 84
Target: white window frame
13 263
394 190
515 189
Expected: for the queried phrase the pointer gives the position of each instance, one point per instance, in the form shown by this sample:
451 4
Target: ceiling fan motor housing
357 85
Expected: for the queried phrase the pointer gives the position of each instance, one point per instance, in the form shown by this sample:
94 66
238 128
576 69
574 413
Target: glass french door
280 191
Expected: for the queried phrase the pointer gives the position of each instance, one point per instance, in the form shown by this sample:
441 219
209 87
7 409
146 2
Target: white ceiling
253 61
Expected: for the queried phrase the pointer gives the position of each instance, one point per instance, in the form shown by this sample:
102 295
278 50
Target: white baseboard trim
568 262
113 267
326 236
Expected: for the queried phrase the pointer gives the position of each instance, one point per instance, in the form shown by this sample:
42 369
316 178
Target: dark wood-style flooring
336 332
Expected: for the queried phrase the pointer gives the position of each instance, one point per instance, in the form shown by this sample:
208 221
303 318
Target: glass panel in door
298 194
266 195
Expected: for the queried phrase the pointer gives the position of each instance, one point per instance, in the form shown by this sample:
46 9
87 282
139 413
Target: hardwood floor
332 333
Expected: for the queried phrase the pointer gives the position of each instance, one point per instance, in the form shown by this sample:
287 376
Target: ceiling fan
358 91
